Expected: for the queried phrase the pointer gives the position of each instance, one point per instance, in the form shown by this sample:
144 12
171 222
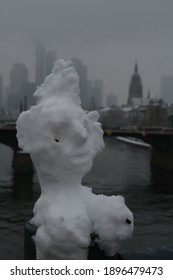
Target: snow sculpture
62 140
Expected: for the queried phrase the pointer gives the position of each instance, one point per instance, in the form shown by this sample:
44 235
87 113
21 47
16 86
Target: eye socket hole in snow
56 140
128 221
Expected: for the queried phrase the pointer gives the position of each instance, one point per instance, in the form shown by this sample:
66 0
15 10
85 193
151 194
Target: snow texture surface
63 140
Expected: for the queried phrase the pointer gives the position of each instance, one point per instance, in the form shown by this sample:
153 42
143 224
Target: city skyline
107 35
44 64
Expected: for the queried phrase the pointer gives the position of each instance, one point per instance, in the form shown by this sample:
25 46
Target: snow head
63 140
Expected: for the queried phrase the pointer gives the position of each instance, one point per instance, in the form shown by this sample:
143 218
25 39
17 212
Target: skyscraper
51 57
44 63
82 71
98 92
111 100
135 88
40 64
166 89
1 94
18 85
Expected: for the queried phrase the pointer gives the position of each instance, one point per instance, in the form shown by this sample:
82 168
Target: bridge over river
8 136
21 162
160 140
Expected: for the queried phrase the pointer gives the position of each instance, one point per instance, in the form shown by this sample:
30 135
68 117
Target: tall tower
135 87
111 100
18 85
1 93
51 57
40 64
166 89
97 92
44 63
82 71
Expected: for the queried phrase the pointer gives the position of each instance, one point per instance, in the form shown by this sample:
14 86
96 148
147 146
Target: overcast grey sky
108 35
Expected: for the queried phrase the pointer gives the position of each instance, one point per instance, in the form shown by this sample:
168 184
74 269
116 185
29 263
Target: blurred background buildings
140 110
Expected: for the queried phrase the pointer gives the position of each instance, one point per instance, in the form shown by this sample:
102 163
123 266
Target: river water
120 169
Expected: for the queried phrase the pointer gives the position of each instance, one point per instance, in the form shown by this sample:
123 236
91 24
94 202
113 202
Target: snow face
63 140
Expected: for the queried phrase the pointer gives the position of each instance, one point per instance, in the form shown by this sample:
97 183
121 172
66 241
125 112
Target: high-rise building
166 89
97 92
44 63
1 94
82 71
92 105
111 100
40 64
135 88
18 85
51 57
30 89
18 78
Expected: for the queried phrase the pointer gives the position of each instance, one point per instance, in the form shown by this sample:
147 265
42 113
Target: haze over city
108 36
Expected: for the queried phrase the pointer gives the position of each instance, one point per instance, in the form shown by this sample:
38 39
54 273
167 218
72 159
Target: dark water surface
119 169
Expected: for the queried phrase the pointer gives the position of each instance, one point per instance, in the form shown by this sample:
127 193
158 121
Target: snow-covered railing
63 140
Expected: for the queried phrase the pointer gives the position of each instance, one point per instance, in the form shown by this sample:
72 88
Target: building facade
96 93
82 71
166 89
1 95
50 58
18 86
111 100
44 63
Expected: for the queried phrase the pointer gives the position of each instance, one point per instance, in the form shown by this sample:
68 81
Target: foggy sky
108 35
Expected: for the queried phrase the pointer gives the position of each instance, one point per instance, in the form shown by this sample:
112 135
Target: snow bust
62 140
